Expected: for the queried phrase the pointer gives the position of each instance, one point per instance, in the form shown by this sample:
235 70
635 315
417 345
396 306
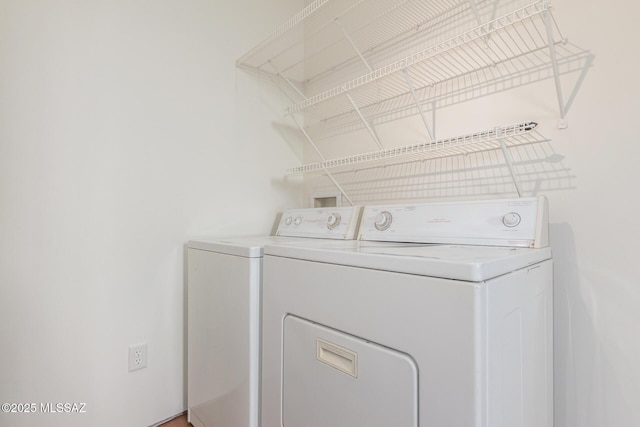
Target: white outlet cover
137 357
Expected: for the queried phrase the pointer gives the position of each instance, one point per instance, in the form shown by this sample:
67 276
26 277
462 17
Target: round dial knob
383 220
511 219
333 220
297 221
288 220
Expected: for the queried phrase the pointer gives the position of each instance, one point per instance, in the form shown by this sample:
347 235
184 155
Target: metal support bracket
370 128
418 104
476 13
315 147
308 137
509 161
286 79
578 83
554 63
340 25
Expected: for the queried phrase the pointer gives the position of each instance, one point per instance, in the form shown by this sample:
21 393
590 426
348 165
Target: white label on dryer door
335 379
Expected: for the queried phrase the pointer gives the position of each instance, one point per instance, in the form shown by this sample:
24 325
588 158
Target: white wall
597 292
125 130
589 173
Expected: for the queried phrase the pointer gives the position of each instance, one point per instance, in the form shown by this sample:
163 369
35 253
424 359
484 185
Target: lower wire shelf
497 138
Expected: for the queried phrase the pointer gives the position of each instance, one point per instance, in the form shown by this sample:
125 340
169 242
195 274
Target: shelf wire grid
391 36
509 37
511 135
312 44
532 67
370 22
473 176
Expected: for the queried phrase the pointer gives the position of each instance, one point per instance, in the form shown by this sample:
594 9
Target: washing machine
223 312
453 328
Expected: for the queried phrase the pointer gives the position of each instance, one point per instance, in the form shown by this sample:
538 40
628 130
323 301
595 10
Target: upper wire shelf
380 48
510 37
528 68
320 39
497 138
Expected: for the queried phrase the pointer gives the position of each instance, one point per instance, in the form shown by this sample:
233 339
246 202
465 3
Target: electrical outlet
137 356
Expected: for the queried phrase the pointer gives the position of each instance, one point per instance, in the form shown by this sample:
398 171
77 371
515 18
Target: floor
181 421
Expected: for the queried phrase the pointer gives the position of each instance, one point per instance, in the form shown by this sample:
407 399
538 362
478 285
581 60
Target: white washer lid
247 246
252 246
468 263
296 225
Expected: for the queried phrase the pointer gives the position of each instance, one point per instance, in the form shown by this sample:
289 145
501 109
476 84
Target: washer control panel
328 223
521 222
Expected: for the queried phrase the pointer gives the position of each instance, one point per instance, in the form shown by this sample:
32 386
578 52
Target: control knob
288 220
511 219
383 220
297 221
333 220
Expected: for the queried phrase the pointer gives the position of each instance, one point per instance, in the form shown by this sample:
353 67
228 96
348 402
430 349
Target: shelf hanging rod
476 14
494 12
289 82
554 61
415 99
581 77
340 25
329 175
370 128
509 161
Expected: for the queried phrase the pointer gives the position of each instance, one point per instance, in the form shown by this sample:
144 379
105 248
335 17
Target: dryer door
334 379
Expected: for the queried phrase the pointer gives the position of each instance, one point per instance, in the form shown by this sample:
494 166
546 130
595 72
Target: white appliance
415 335
224 300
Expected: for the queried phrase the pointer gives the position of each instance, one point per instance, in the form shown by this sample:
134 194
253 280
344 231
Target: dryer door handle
337 357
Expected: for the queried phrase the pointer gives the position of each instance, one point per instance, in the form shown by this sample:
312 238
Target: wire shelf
508 37
512 135
529 68
312 43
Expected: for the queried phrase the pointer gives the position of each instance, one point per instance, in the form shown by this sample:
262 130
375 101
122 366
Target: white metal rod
554 61
572 96
353 45
433 117
329 175
366 123
417 101
495 10
507 158
304 132
474 8
476 13
289 82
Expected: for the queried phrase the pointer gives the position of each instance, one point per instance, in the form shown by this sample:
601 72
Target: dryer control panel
328 223
521 222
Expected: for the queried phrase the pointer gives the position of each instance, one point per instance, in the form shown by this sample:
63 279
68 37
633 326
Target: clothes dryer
223 311
456 333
